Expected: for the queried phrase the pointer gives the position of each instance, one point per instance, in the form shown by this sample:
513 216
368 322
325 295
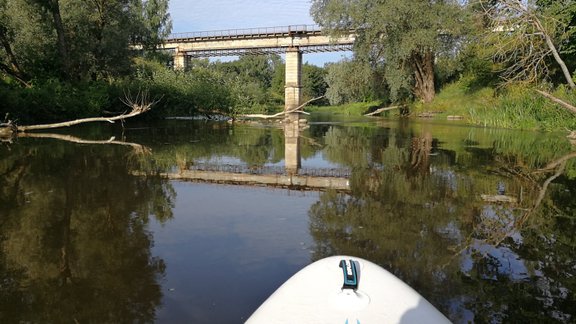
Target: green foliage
53 100
183 93
90 41
314 82
255 81
349 81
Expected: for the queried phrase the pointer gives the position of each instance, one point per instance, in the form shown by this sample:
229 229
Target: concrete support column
180 60
293 86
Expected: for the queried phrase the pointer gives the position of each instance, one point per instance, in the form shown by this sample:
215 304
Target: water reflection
480 222
292 159
73 234
419 211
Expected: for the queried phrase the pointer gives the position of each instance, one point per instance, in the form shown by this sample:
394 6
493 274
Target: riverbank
515 107
512 108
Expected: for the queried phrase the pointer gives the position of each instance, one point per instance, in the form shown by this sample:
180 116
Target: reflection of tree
490 262
420 153
76 235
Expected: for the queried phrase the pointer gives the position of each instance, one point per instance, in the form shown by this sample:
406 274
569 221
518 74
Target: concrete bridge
291 40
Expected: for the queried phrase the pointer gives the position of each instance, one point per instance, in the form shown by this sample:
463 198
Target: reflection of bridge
292 40
291 176
282 180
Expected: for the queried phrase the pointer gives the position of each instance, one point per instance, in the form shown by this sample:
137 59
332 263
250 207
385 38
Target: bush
53 100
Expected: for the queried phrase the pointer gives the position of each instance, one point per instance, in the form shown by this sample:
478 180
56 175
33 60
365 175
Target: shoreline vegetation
509 65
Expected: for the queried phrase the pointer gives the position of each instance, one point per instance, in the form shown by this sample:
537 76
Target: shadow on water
480 222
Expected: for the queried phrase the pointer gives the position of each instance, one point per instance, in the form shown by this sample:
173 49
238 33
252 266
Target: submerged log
499 199
283 113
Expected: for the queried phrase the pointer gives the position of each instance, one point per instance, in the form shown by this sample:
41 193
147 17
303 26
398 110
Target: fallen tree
381 110
283 113
138 106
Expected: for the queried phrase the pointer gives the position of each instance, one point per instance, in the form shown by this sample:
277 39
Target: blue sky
206 15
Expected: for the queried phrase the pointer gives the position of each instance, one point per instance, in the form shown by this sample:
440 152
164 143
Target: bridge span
292 40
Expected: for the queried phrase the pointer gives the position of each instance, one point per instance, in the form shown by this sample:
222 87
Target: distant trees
348 81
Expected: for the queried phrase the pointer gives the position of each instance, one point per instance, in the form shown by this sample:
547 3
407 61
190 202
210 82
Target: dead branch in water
280 114
377 111
138 106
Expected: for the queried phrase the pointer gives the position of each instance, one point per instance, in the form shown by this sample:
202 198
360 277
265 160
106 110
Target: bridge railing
230 33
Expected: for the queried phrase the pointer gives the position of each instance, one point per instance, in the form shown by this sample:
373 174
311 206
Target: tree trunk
423 65
54 7
552 47
559 101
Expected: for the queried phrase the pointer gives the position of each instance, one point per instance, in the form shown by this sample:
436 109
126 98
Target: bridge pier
293 85
180 61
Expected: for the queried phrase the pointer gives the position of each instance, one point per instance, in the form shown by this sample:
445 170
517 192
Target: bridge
292 40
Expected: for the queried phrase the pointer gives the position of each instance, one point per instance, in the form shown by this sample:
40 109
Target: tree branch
562 103
280 114
138 106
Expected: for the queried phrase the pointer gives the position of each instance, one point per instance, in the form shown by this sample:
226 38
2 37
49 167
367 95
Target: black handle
350 274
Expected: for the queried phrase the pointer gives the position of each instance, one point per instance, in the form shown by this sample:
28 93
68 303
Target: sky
208 15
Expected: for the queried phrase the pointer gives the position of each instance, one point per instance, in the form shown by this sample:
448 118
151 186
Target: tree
53 9
11 67
525 34
313 81
348 81
405 36
77 39
156 22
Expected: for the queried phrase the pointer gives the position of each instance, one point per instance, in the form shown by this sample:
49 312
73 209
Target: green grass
516 107
457 99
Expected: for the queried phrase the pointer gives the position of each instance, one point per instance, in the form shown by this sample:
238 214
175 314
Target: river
199 222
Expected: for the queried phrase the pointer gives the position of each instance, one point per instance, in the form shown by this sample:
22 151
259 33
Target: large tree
406 36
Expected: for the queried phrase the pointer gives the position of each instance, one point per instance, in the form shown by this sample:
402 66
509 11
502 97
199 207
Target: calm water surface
156 225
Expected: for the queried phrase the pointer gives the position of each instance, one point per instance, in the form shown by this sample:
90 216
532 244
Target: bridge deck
264 40
249 33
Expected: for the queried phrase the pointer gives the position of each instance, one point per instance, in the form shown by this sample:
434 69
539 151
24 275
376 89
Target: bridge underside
267 50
